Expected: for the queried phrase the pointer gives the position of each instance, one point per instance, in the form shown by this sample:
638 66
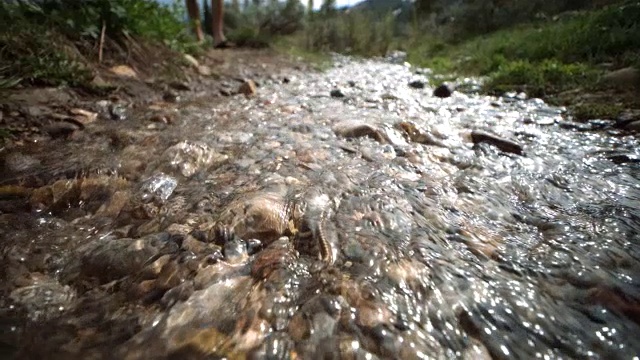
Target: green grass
542 78
543 58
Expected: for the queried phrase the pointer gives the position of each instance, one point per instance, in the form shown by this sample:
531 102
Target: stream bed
338 215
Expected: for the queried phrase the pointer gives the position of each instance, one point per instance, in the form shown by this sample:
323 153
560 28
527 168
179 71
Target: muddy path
340 214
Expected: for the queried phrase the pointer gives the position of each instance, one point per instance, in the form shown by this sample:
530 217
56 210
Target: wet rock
503 144
336 93
254 246
355 129
276 346
248 88
235 251
624 158
627 116
179 293
598 124
625 78
108 258
83 117
170 96
263 216
60 193
415 134
161 119
204 70
113 207
633 126
99 187
417 84
187 158
171 275
118 112
193 323
160 186
574 125
60 129
443 91
18 162
278 255
180 86
44 298
152 270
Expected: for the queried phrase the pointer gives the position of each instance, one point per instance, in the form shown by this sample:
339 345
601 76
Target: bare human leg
217 6
194 17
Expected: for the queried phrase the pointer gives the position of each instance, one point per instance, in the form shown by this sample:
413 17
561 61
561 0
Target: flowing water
294 224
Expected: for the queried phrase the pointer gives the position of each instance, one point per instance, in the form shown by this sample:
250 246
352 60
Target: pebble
337 93
443 91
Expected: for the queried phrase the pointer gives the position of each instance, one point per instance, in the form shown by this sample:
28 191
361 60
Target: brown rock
112 208
60 129
160 118
248 88
355 129
628 77
204 70
124 71
503 144
191 60
84 117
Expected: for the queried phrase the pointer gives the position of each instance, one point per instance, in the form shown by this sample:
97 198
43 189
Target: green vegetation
596 110
50 42
359 32
290 45
545 57
260 25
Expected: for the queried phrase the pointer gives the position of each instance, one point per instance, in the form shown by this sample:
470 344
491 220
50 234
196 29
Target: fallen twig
104 28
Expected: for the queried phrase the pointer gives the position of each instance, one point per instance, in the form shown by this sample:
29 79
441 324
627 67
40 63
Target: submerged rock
108 258
262 216
187 157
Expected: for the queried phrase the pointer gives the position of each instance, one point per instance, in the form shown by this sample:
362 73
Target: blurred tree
328 7
208 19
